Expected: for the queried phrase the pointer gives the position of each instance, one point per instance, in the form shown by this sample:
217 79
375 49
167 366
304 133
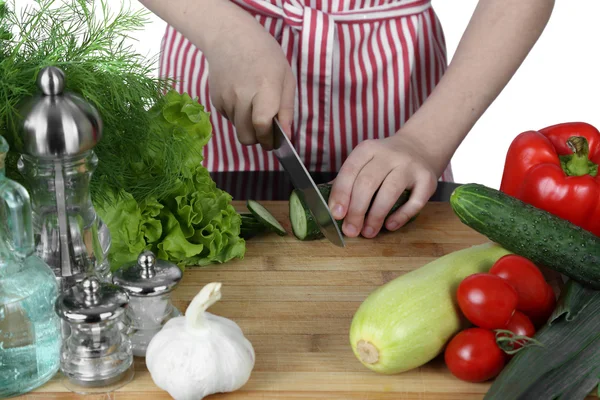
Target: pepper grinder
97 355
149 283
59 132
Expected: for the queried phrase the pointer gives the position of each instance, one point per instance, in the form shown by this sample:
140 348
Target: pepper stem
578 163
209 295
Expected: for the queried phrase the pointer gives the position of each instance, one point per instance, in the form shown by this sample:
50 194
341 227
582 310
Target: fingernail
369 231
351 229
393 225
338 211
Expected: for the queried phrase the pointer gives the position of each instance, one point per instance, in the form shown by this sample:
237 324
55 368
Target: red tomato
526 278
520 325
540 317
488 301
474 356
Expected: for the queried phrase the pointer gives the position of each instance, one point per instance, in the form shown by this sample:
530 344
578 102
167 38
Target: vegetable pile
501 304
149 188
489 308
408 321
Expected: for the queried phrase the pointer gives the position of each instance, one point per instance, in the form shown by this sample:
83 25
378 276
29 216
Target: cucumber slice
303 223
265 217
251 227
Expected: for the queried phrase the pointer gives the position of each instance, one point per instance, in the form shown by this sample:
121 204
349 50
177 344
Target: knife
287 156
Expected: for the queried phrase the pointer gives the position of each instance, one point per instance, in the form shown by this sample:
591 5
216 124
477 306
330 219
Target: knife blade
287 156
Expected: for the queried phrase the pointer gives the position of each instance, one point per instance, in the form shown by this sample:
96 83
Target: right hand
251 82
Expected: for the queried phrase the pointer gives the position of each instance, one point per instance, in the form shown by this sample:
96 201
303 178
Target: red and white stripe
363 67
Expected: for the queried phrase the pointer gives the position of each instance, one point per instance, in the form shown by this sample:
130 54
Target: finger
286 108
339 198
422 188
265 106
243 124
389 192
367 182
219 105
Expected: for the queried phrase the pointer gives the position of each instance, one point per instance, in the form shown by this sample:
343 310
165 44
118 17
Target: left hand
391 165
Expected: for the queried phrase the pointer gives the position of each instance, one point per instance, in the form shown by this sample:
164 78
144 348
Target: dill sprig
91 43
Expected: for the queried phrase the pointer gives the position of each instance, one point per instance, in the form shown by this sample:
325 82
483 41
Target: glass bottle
60 131
149 283
30 337
96 356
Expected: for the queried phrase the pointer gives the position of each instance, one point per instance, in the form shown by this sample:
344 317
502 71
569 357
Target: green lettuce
195 223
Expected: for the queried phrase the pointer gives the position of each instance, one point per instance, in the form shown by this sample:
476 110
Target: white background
558 82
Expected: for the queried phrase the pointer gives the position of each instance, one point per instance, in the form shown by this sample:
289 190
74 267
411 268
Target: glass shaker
97 356
59 132
29 329
149 283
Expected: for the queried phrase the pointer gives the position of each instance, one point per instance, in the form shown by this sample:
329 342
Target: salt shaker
149 283
97 356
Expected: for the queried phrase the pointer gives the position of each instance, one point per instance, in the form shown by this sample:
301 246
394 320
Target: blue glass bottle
30 336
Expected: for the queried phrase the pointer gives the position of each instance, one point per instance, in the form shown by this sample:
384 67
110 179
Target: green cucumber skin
523 229
261 219
312 228
249 222
250 226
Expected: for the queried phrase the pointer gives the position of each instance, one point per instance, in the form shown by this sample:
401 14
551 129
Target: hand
390 165
251 82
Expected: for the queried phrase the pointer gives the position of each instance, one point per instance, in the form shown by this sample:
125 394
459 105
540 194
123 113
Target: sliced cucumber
251 227
265 217
303 223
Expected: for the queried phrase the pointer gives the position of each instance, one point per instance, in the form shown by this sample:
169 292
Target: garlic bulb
200 353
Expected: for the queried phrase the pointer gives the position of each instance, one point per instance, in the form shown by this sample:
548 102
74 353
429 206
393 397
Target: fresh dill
92 44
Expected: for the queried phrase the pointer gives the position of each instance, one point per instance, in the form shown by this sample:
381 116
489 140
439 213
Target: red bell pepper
556 169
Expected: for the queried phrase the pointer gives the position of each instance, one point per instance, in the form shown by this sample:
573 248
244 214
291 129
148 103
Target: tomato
526 278
520 325
488 301
473 355
540 317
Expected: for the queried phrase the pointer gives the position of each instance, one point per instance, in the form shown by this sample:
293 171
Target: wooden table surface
295 301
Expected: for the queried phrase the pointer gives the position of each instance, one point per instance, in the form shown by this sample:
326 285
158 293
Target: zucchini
303 223
530 232
567 365
265 217
408 321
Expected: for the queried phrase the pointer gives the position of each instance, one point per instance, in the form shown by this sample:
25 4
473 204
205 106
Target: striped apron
363 67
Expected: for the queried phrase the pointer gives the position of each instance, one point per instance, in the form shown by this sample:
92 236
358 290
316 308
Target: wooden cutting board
295 300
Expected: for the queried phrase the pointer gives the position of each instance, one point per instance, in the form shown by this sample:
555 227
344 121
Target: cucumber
303 223
533 233
251 226
265 217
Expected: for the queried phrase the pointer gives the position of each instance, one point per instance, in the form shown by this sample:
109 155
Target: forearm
202 22
498 38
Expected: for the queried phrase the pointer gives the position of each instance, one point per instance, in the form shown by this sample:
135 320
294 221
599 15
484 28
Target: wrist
435 151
